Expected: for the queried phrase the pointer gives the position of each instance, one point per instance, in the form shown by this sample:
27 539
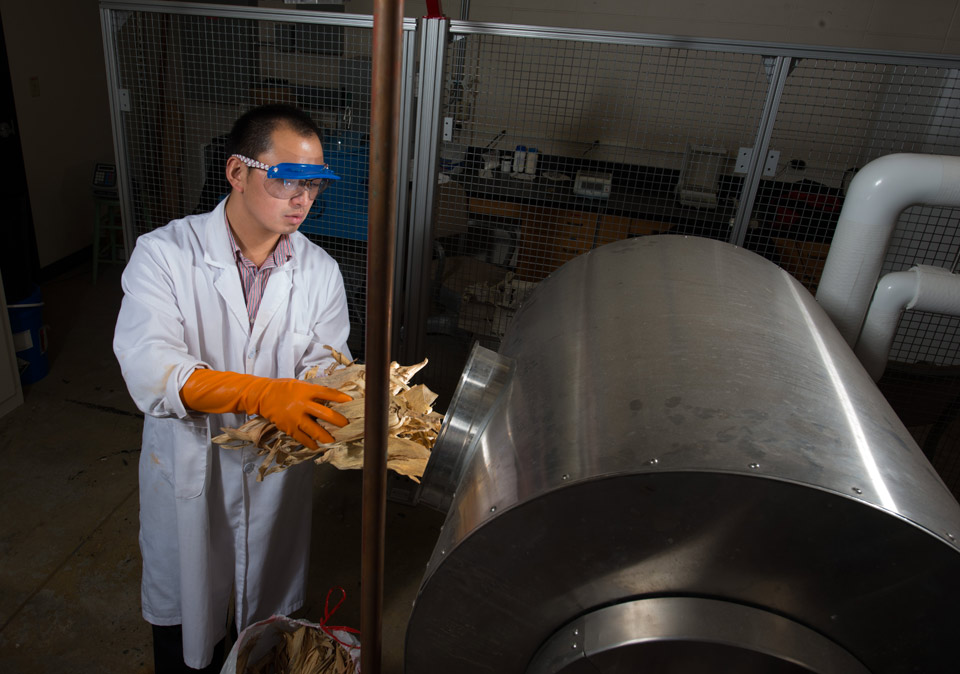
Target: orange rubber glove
290 404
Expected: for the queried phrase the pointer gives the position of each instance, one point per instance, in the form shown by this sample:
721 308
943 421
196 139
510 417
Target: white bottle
519 158
531 163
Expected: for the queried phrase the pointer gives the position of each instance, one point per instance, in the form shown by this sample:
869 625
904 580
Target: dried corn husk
308 650
413 426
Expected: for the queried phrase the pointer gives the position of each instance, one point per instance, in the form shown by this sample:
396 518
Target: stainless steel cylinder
685 434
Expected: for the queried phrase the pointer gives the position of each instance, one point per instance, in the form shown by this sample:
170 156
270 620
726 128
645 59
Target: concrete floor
69 558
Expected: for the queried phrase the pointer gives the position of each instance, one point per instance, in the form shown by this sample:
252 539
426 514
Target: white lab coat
206 526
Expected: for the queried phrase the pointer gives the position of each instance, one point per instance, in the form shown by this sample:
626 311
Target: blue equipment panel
341 211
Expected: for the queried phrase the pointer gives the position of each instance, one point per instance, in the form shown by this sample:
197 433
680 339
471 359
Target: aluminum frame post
407 93
433 39
114 96
751 182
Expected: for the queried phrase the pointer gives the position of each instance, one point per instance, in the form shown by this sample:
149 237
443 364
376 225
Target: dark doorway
19 261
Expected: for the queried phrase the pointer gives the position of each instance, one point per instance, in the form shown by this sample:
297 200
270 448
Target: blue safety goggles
286 180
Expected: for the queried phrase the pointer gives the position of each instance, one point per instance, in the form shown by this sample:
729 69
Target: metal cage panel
744 142
666 126
653 124
834 117
181 76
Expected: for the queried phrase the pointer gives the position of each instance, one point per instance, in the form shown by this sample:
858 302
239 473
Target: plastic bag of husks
281 645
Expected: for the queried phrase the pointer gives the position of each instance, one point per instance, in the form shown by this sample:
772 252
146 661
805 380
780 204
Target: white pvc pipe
923 288
874 200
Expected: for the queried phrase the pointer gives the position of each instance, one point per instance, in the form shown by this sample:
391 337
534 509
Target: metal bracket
746 154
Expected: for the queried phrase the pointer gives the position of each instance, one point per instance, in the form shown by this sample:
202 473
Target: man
222 312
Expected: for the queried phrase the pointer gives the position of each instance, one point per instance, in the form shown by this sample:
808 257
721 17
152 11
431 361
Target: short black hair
251 133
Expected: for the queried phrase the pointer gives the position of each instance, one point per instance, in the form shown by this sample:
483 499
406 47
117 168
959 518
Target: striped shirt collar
254 279
281 253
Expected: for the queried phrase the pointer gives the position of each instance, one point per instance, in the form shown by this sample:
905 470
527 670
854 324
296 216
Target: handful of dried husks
413 425
308 650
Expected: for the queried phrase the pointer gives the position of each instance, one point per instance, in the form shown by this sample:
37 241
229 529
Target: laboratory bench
548 224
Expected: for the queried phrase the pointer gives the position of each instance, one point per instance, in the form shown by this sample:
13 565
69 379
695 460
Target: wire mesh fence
184 79
834 118
559 146
634 140
553 146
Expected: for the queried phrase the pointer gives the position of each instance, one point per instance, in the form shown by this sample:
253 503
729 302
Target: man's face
268 213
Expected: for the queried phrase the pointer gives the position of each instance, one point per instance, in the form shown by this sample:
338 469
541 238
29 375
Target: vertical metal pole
381 244
751 182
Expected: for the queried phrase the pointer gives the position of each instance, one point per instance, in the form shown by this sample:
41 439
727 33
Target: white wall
65 121
931 26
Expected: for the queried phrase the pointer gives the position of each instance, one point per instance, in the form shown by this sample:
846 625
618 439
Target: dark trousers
168 652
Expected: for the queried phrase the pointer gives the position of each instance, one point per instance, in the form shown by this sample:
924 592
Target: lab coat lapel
218 254
275 296
228 285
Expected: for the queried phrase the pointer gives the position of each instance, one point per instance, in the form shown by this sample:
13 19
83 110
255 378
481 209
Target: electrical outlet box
770 167
743 159
447 129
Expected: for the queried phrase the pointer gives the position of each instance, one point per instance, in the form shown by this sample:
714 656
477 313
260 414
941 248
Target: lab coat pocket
191 447
292 348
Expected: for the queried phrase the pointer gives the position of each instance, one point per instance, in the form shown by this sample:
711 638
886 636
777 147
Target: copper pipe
381 246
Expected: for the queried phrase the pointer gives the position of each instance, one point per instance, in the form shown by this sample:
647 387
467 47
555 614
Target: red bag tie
328 613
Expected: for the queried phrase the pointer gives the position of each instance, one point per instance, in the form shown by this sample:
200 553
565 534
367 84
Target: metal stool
107 223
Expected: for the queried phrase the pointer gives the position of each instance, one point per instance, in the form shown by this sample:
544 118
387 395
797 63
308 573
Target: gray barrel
687 470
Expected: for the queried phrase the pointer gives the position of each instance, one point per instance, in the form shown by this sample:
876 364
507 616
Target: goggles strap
252 163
